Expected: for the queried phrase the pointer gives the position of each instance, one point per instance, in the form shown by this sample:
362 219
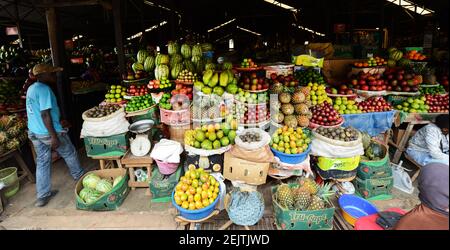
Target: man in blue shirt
47 133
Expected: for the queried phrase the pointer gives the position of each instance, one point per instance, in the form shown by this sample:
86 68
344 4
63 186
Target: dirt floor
137 211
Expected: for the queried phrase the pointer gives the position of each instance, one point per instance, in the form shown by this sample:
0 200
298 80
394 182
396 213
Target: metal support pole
117 15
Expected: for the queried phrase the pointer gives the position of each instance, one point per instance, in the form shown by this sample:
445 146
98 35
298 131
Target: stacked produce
306 195
309 75
187 76
250 136
248 63
289 141
402 80
318 94
196 189
371 62
135 90
138 103
341 134
13 132
95 187
253 82
396 58
415 55
325 115
115 94
368 81
164 83
208 107
432 90
343 89
176 103
164 102
251 98
437 103
212 136
346 106
287 81
293 109
217 83
375 104
102 110
251 113
413 105
183 90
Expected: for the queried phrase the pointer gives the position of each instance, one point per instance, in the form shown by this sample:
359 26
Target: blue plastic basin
197 214
356 206
292 158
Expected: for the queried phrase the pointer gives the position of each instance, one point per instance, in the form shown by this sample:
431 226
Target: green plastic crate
302 220
374 187
115 145
111 200
161 186
375 169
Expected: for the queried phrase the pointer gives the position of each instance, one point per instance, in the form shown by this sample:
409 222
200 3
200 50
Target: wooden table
23 171
108 161
132 162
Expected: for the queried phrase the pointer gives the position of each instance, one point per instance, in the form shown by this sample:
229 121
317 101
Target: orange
205 202
204 195
211 128
190 198
197 197
192 206
198 205
185 205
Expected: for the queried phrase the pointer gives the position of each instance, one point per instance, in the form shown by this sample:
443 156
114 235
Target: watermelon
173 48
161 59
396 55
186 51
104 186
90 181
175 70
92 197
149 64
196 59
391 50
137 67
117 180
227 66
142 55
197 50
189 65
176 58
161 71
85 192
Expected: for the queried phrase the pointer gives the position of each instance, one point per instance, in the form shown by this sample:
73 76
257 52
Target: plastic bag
373 123
325 149
265 139
203 152
223 189
260 155
115 125
167 151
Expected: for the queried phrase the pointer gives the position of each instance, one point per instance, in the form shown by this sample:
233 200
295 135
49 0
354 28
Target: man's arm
47 119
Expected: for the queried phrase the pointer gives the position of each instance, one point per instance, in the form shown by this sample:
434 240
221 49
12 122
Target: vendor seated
430 143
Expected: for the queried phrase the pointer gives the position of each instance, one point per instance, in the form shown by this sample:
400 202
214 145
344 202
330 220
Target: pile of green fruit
212 136
432 90
138 103
251 98
414 105
115 94
164 102
345 106
309 75
290 141
94 187
217 83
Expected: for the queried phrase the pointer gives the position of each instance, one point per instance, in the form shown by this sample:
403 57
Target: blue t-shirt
40 97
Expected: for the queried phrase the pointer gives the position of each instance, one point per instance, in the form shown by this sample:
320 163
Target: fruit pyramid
318 95
293 109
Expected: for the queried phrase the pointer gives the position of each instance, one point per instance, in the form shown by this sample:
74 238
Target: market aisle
135 213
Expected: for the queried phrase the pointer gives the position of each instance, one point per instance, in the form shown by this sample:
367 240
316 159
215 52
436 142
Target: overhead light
139 34
308 29
411 7
265 43
306 42
158 48
221 25
438 28
157 5
231 44
249 31
282 5
377 28
77 37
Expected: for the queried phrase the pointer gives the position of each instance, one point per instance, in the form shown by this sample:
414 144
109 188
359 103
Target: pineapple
14 131
3 137
305 90
318 200
308 103
298 97
302 121
301 109
287 109
284 196
309 185
13 144
302 199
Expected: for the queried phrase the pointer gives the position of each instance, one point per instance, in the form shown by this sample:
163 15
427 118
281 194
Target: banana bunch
189 137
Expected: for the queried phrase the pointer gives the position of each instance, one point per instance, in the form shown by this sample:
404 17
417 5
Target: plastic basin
166 168
197 214
354 207
291 158
8 176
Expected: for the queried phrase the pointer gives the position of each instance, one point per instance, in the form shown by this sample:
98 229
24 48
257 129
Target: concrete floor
137 211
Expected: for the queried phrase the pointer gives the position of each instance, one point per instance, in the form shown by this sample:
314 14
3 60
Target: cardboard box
212 163
336 70
252 173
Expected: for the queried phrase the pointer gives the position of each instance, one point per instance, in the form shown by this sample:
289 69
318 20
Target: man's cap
45 68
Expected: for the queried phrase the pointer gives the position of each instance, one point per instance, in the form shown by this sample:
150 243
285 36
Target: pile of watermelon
94 187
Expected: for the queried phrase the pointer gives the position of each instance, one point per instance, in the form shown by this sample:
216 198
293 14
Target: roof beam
106 4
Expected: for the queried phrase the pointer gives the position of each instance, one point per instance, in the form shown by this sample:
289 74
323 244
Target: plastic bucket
292 158
166 168
8 176
197 214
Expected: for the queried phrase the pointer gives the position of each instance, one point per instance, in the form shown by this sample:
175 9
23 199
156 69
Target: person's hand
55 142
65 124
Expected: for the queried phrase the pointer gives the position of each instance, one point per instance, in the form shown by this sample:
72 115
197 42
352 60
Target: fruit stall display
285 80
439 89
95 187
212 136
136 90
183 89
102 110
253 81
186 76
161 85
248 63
309 75
291 141
13 132
292 109
325 115
207 108
371 62
139 103
437 103
318 94
346 106
115 94
375 104
215 82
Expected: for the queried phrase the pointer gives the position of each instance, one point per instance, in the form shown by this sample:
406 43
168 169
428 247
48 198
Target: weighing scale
141 144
